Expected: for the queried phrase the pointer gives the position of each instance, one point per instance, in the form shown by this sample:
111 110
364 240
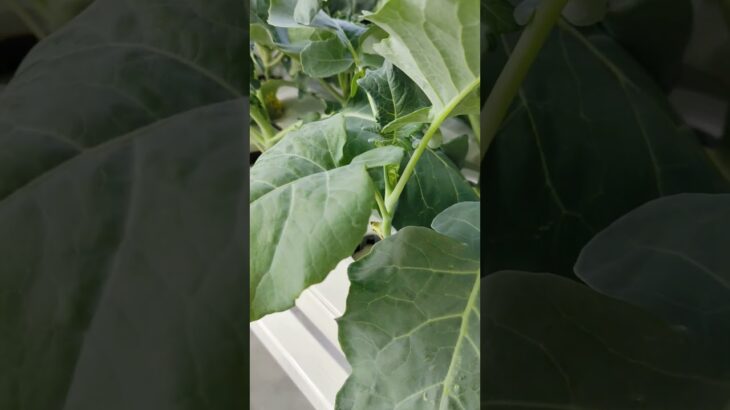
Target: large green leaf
552 343
436 43
122 212
671 257
589 138
411 328
435 185
361 134
392 94
306 214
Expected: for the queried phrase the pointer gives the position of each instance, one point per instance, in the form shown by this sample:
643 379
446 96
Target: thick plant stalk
513 74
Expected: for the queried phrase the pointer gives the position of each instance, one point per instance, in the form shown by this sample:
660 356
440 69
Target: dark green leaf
552 343
435 185
392 94
411 328
589 138
671 257
456 150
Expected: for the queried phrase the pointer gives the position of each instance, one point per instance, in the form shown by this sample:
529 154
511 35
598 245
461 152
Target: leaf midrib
449 380
143 47
105 146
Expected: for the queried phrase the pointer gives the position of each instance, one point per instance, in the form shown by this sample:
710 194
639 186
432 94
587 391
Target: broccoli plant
393 85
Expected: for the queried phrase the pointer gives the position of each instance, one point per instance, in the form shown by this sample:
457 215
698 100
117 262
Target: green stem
355 58
279 135
381 204
385 227
266 128
474 121
265 58
332 91
276 60
386 182
28 20
387 216
344 84
513 74
392 199
258 140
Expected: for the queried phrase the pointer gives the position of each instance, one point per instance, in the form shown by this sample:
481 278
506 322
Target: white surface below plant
303 340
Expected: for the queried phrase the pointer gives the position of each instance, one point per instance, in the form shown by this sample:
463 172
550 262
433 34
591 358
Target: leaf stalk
392 199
